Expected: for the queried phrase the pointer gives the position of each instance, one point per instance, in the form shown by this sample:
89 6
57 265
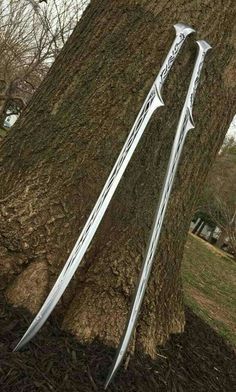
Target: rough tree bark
58 156
2 113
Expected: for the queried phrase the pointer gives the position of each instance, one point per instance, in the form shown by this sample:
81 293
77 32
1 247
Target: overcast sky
232 128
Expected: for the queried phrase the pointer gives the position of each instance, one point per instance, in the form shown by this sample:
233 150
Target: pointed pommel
183 28
203 45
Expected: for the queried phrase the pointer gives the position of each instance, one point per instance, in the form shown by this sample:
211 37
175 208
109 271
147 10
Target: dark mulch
198 360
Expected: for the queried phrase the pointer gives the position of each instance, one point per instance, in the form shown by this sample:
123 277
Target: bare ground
197 360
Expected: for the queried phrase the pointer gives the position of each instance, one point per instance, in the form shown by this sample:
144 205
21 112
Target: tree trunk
56 159
221 239
197 225
200 228
2 113
210 237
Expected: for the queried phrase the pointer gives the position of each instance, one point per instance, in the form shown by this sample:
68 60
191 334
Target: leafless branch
31 36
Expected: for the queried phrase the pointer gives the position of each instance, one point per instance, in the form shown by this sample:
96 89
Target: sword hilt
182 31
203 48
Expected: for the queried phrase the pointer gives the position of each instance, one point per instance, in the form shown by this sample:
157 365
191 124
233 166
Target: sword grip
203 48
182 31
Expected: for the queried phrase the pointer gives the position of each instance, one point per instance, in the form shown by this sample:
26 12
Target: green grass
209 279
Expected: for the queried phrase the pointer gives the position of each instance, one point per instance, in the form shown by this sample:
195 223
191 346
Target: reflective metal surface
152 102
184 125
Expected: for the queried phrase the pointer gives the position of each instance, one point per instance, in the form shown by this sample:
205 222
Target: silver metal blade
152 102
184 125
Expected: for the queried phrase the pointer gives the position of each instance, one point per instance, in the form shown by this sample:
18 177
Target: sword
151 103
185 124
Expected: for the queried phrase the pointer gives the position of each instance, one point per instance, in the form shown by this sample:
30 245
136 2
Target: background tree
30 39
218 201
55 161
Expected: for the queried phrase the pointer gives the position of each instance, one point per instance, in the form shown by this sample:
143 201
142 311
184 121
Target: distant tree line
217 205
31 35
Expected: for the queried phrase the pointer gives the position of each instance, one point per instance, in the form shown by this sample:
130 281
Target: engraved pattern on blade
184 125
120 161
171 59
152 102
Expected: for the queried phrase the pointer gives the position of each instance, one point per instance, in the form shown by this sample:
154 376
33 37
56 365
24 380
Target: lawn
210 286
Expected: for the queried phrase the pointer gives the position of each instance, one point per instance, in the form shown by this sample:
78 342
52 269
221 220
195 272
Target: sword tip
112 371
17 348
108 380
110 376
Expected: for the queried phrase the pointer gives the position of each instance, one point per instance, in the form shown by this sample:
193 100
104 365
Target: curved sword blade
184 125
152 102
